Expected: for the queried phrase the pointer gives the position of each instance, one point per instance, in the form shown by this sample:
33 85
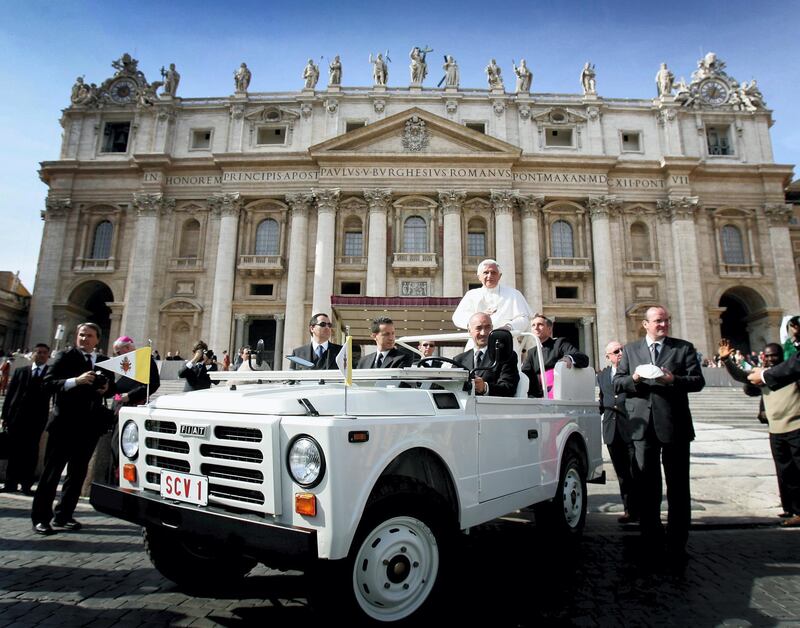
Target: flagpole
346 335
147 398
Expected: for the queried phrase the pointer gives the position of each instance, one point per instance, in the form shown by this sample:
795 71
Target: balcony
261 265
88 265
739 270
193 264
567 267
414 264
351 260
643 267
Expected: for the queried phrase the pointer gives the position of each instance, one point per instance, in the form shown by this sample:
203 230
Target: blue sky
45 45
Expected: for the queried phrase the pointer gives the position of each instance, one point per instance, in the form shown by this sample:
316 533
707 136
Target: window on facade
719 142
271 135
566 292
352 125
561 239
558 137
262 289
480 127
631 141
201 138
640 242
353 238
476 238
101 243
190 239
415 235
267 242
351 287
115 137
732 245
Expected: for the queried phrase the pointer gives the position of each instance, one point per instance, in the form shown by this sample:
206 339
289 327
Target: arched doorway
744 319
87 303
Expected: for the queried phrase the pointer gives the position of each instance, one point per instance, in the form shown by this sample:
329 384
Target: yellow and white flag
134 364
345 361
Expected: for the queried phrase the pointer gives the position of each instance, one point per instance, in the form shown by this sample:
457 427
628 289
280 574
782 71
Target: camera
100 380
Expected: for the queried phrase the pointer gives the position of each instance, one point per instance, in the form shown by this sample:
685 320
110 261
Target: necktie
319 353
89 361
379 361
479 358
654 347
37 373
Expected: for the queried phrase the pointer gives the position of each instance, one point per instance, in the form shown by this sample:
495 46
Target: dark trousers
74 452
22 456
786 454
622 458
650 454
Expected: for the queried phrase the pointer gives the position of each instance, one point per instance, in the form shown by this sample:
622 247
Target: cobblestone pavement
509 574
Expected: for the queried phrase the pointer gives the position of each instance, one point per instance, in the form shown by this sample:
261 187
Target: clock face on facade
713 92
123 91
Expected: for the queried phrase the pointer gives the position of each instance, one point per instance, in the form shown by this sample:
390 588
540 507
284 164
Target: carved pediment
272 114
559 115
415 132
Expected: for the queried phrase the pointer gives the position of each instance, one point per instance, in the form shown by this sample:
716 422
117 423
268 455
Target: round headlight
306 461
129 439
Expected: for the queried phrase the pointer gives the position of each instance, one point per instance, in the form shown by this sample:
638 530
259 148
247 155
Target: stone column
531 207
604 268
296 275
778 216
277 360
378 201
503 205
228 207
452 253
588 340
690 301
327 201
240 324
48 271
137 316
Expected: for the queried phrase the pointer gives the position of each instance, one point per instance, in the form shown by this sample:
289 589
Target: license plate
184 487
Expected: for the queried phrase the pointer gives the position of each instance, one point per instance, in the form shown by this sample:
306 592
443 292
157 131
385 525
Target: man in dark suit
25 411
500 381
661 423
196 370
72 434
387 356
321 351
553 350
616 432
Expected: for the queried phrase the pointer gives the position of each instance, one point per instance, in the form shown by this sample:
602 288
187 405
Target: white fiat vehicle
365 488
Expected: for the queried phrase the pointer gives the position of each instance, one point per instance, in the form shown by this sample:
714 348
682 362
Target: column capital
451 200
56 208
378 199
299 202
531 204
242 318
503 201
603 206
587 320
327 200
778 214
683 208
151 204
227 204
279 317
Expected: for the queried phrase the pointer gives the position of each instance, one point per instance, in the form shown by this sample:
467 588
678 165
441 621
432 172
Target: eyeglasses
323 324
428 344
615 351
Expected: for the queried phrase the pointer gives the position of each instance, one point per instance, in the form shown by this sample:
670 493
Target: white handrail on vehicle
335 375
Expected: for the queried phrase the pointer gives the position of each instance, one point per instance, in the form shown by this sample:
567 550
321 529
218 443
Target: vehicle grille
237 460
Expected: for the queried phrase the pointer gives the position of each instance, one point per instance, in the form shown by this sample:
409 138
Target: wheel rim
395 569
572 497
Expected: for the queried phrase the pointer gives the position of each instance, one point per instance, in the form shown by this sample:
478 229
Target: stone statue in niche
524 77
664 81
242 78
494 75
310 75
335 71
589 79
171 80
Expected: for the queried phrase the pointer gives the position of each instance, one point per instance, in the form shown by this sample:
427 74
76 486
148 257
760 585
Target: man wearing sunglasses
427 348
616 432
321 351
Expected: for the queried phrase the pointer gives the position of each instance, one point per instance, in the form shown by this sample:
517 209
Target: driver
501 379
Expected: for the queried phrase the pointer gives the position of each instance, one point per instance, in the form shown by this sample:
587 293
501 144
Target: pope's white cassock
505 306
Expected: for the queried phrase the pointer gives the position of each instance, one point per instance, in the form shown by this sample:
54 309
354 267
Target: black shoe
69 524
43 528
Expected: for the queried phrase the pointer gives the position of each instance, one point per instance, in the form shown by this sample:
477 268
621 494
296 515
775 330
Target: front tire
566 513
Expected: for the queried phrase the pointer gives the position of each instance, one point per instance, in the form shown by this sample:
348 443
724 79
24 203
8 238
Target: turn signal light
129 472
305 504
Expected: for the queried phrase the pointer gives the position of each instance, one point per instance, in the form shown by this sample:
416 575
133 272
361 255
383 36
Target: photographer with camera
196 370
78 421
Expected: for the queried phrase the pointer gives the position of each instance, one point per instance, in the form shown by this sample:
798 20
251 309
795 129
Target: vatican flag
134 364
345 361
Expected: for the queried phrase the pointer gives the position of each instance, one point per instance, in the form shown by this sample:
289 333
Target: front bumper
243 534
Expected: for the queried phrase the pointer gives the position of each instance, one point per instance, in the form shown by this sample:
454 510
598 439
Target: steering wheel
448 360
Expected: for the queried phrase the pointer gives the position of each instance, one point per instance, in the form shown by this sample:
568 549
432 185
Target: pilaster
299 205
327 203
531 210
451 202
227 206
378 201
503 205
